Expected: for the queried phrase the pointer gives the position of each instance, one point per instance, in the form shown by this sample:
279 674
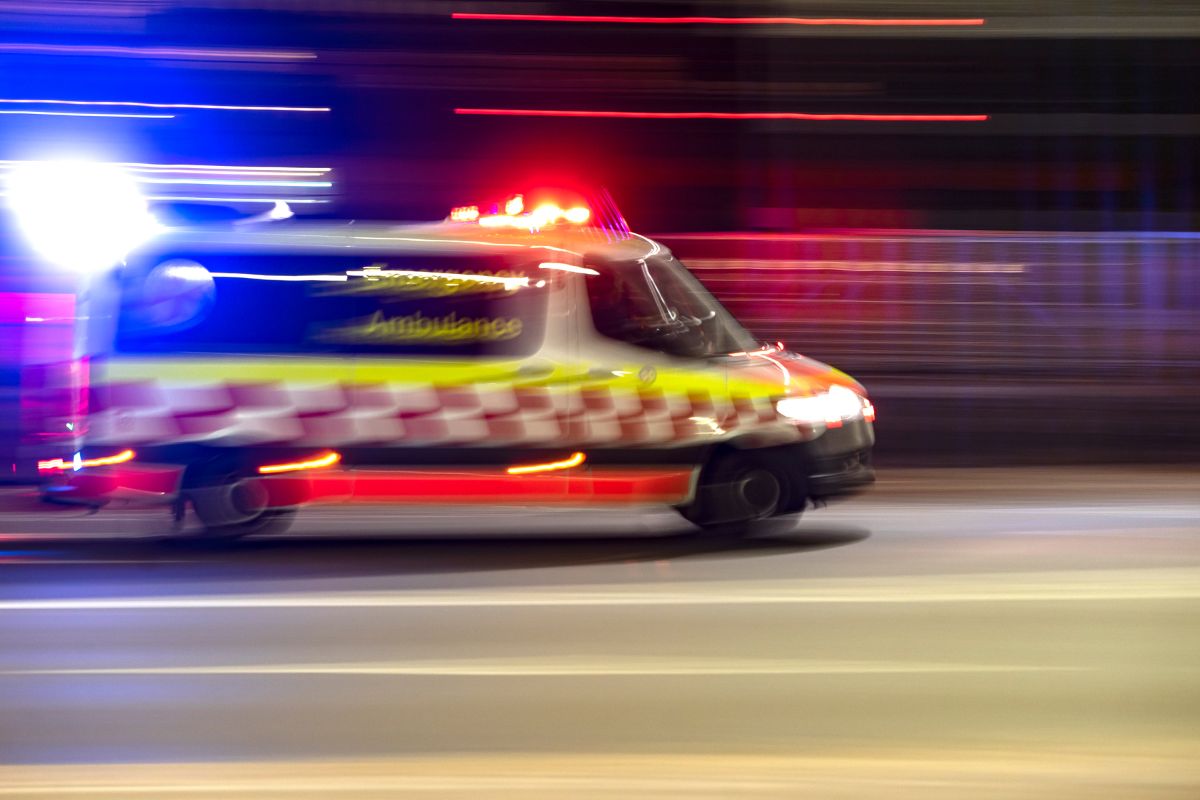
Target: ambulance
533 352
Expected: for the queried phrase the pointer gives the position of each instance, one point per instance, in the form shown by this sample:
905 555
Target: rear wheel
231 506
737 489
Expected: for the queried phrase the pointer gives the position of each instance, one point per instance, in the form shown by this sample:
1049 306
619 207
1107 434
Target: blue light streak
138 104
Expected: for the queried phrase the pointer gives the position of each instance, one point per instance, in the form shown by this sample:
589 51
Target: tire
736 489
231 506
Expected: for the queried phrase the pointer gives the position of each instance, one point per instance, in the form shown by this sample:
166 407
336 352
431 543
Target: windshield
658 304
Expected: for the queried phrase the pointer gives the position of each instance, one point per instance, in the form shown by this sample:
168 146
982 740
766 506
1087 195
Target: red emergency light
513 214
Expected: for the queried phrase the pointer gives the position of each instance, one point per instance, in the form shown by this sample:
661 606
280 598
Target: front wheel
736 489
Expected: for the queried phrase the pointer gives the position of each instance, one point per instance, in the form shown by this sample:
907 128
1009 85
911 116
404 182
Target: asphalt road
986 633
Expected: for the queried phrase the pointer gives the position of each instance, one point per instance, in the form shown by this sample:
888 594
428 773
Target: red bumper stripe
415 486
463 486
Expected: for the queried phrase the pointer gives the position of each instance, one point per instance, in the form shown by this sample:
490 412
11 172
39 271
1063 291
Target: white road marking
564 667
916 772
1094 585
950 506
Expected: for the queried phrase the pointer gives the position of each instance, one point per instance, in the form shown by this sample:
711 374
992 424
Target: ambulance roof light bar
515 216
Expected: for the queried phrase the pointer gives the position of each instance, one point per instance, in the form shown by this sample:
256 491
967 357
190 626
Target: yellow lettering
376 279
415 327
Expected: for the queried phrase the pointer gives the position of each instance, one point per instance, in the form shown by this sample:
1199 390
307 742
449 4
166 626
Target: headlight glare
809 410
829 408
844 403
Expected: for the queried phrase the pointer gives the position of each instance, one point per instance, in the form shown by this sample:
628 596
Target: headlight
809 410
843 403
829 409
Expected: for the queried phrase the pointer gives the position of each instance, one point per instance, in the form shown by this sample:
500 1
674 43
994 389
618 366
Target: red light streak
832 22
598 487
552 112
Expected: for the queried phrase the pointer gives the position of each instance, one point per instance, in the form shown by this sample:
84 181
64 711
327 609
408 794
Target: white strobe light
81 215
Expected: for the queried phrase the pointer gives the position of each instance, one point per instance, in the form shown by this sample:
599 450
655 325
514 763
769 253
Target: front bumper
838 462
839 477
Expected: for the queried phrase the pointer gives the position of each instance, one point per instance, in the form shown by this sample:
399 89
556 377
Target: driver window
627 306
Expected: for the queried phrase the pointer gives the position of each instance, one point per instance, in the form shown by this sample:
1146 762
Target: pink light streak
810 21
548 112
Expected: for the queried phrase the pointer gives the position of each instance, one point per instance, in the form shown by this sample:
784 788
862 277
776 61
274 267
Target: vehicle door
459 363
661 382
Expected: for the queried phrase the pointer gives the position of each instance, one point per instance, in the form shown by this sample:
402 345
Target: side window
658 305
410 305
628 305
622 306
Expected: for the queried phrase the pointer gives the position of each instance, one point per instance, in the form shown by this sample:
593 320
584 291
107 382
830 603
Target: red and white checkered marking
334 414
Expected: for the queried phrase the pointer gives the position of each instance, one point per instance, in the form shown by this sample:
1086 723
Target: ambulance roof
449 238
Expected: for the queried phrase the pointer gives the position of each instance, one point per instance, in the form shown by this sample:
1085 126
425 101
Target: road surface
982 633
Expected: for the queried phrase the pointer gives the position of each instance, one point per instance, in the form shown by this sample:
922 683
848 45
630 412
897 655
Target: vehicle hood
792 373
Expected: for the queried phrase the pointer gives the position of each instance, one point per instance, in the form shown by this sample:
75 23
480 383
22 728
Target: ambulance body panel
427 362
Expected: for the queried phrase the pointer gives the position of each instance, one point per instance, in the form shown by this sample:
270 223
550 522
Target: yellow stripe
448 372
302 369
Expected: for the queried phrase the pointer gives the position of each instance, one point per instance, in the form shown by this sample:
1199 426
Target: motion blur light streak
789 265
112 115
212 167
199 169
327 460
844 21
134 104
216 54
372 273
234 182
210 199
79 463
567 268
281 278
574 461
268 172
549 112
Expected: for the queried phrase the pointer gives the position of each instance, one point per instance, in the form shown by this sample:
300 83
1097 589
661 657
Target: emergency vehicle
523 354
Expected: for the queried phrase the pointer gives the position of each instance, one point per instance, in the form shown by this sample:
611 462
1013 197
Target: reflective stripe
334 403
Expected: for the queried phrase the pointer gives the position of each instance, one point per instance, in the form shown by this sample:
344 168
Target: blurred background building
986 211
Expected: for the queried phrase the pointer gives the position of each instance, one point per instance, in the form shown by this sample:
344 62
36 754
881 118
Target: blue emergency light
84 216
